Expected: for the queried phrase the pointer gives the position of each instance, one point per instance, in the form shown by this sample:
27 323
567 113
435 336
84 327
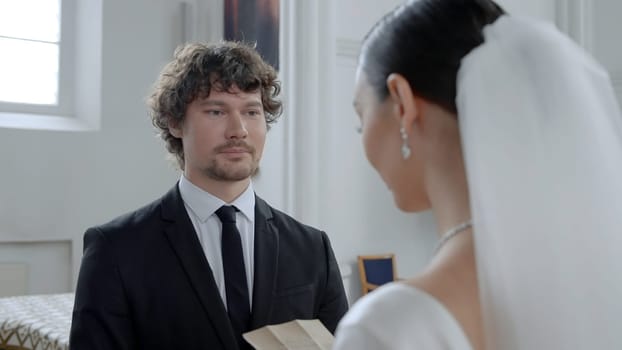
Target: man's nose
236 128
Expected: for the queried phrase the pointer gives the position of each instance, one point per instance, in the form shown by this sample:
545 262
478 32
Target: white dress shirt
201 207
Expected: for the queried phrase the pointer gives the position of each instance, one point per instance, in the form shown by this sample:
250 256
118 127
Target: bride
512 135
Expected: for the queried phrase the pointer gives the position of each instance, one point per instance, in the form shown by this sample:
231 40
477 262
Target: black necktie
235 274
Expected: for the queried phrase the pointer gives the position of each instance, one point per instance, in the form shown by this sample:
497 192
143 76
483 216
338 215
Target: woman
511 134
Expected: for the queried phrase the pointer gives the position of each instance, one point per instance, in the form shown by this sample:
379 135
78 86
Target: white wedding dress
397 316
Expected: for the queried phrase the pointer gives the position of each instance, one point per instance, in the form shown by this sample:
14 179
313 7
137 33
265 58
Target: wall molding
39 266
349 48
16 239
575 18
206 20
308 59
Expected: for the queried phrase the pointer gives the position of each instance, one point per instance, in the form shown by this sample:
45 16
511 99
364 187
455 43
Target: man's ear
404 100
174 127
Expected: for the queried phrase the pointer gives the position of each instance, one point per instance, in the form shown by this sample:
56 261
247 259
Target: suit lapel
184 241
266 258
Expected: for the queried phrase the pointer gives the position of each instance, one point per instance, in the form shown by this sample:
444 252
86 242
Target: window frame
79 85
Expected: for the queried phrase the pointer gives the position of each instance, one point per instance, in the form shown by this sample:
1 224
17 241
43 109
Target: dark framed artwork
255 21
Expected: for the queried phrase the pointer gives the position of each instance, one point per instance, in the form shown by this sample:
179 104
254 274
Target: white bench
36 322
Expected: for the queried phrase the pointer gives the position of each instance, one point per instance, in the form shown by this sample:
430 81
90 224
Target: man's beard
220 172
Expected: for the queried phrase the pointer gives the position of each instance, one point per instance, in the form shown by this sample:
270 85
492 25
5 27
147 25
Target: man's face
223 135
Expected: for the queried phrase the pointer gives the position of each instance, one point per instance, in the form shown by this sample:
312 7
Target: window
46 46
30 42
30 64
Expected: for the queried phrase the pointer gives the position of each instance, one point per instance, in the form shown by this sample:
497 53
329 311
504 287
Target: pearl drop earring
405 148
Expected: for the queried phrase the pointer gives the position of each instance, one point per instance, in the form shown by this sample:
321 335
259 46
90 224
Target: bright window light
29 47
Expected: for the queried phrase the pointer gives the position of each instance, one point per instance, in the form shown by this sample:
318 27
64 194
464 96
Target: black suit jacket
145 282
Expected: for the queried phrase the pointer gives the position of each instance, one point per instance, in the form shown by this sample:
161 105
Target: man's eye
214 112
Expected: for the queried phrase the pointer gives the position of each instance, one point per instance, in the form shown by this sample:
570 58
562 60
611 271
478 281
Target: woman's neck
448 191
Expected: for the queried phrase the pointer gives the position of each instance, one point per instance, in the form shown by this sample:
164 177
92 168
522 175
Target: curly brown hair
195 70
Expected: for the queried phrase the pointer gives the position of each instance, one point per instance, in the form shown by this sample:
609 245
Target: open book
293 335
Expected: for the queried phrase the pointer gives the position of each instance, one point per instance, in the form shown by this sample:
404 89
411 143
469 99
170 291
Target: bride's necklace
451 233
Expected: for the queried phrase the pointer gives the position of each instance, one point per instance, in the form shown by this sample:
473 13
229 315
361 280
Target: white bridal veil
542 137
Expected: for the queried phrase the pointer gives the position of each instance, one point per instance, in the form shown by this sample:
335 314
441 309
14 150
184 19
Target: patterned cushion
37 322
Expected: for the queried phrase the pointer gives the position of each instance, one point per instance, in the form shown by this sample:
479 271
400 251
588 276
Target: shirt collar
204 204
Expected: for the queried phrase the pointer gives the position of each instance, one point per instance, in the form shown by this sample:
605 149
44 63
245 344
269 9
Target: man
209 260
